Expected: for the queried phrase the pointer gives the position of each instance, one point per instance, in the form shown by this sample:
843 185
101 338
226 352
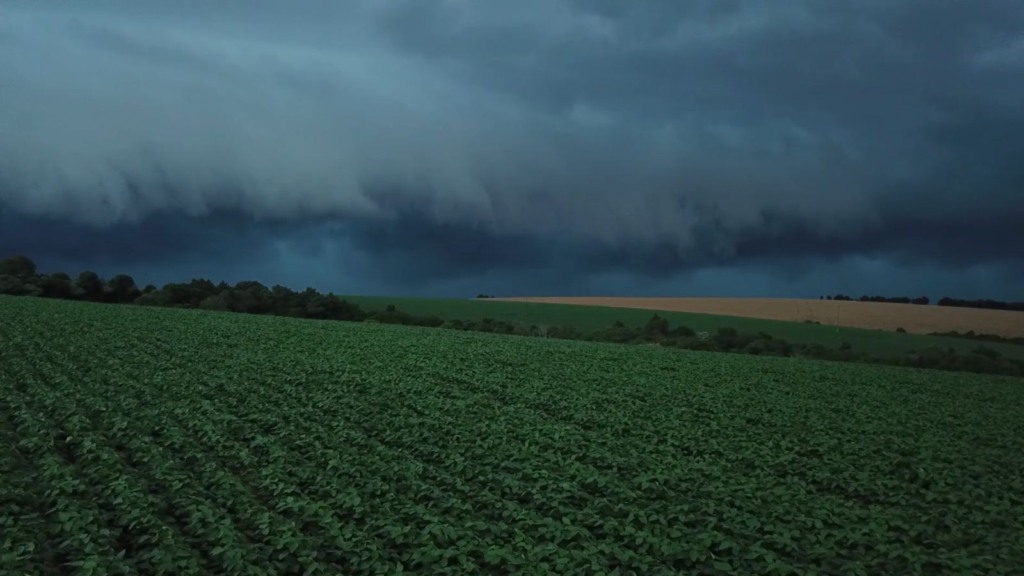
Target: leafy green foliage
146 440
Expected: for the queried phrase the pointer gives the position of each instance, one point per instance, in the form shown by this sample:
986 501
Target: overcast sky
556 147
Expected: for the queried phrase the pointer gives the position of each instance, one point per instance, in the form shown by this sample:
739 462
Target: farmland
869 315
147 440
588 318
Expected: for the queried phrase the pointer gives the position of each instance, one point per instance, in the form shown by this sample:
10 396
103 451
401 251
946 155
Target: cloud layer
415 142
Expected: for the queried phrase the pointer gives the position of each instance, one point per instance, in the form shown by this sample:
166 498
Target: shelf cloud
553 146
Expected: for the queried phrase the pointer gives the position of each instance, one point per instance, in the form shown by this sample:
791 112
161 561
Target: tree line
922 300
984 303
18 276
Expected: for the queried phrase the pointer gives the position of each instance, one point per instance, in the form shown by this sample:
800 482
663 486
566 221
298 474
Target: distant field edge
913 318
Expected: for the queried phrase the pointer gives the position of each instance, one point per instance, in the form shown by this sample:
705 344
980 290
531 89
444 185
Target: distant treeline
970 335
18 277
923 300
987 304
944 301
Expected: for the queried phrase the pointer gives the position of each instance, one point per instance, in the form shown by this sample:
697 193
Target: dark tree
123 289
656 325
254 297
285 302
57 285
175 294
18 266
182 295
91 286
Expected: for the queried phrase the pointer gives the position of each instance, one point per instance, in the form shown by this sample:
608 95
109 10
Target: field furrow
138 440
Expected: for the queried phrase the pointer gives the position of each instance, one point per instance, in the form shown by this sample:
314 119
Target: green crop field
141 441
590 318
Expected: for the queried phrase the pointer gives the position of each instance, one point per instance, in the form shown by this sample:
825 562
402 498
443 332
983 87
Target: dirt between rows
872 315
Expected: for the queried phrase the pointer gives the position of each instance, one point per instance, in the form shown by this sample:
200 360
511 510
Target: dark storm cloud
440 141
157 249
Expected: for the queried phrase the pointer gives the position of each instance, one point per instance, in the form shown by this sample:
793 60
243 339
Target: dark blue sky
535 147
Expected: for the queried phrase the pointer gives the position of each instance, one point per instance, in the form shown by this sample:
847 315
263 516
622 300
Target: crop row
160 441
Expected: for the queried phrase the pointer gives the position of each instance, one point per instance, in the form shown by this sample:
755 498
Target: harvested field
871 315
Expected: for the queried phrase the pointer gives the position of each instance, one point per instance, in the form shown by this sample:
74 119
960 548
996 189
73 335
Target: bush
987 352
656 326
813 351
682 332
757 347
768 347
697 344
617 333
564 332
726 338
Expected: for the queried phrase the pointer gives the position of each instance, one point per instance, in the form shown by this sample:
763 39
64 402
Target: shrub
682 332
987 352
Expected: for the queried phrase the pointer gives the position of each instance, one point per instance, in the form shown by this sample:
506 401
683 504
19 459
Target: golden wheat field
871 315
